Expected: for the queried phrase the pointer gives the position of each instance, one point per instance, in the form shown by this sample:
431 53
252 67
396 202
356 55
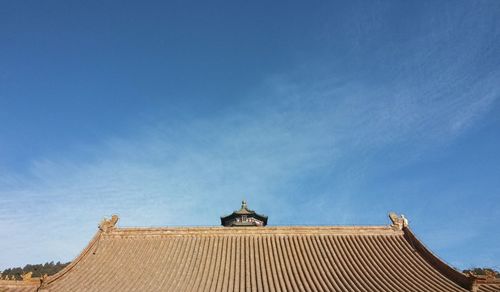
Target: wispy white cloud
293 129
191 173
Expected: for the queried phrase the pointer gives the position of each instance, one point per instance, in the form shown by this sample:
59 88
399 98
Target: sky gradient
315 112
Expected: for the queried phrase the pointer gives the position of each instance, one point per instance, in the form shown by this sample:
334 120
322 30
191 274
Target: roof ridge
242 231
263 228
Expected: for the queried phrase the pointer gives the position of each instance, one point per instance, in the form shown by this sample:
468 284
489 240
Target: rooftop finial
244 204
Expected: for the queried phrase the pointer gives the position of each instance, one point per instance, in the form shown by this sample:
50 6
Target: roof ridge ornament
44 278
398 222
27 276
108 224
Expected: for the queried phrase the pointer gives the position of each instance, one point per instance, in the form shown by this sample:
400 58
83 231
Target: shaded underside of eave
260 259
233 216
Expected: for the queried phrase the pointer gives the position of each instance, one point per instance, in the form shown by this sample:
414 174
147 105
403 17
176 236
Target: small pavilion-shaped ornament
244 217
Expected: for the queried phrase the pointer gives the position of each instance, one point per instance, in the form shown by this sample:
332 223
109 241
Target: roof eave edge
74 262
445 269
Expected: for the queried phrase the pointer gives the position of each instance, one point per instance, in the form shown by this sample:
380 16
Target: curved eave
87 250
436 262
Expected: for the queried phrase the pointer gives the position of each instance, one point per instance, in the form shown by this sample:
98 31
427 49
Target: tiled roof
489 287
253 259
334 258
18 286
485 283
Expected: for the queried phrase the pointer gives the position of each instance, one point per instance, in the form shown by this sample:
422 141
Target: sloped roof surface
489 287
255 259
18 286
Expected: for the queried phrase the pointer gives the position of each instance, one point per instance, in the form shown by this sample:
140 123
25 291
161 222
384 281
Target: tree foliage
37 270
483 271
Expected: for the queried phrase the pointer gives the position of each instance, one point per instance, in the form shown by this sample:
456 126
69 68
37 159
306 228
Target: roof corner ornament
489 277
43 279
27 276
108 224
43 283
398 222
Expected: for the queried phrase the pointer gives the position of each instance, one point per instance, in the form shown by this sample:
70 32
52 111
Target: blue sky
316 112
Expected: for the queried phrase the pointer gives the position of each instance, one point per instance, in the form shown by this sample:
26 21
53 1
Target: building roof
489 287
244 217
278 258
18 286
